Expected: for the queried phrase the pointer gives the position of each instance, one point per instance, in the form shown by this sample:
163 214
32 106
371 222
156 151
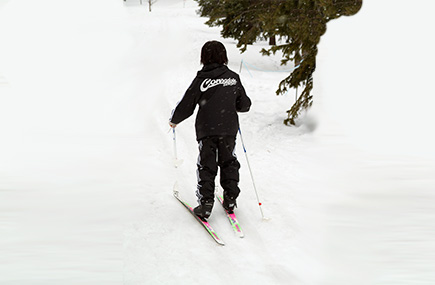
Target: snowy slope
86 170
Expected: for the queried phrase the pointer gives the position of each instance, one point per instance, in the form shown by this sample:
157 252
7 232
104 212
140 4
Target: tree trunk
272 41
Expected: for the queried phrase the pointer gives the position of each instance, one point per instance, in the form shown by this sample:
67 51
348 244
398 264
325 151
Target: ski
232 218
204 223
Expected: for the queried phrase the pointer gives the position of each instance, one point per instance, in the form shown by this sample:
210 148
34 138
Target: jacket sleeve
187 105
243 103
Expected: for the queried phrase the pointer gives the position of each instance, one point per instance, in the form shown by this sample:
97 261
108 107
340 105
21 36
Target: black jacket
220 95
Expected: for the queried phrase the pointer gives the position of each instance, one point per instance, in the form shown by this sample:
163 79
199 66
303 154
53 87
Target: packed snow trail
173 233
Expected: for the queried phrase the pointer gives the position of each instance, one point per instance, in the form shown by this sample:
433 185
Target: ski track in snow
86 171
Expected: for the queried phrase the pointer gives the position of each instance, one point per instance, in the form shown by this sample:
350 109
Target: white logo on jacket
209 83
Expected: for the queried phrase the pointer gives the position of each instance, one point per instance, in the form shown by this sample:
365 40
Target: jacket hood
212 70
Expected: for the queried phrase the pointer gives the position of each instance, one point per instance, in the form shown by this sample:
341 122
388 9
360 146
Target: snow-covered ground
86 159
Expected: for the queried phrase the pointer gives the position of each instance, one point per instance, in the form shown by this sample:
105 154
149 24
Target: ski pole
252 176
177 162
174 138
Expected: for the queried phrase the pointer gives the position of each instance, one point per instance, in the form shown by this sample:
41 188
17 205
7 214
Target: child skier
220 95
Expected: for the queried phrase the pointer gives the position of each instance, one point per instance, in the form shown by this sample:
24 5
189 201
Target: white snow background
86 159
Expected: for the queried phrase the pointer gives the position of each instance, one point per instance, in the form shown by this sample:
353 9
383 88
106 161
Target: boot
203 211
229 203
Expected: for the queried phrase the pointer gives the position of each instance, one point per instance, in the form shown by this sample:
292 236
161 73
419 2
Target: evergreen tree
244 20
299 23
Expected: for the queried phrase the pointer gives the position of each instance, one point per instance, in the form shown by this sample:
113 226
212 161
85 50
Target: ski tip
175 193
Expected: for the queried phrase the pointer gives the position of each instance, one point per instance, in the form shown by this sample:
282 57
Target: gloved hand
172 125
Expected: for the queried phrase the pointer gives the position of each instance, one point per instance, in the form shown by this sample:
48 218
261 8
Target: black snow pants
214 152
